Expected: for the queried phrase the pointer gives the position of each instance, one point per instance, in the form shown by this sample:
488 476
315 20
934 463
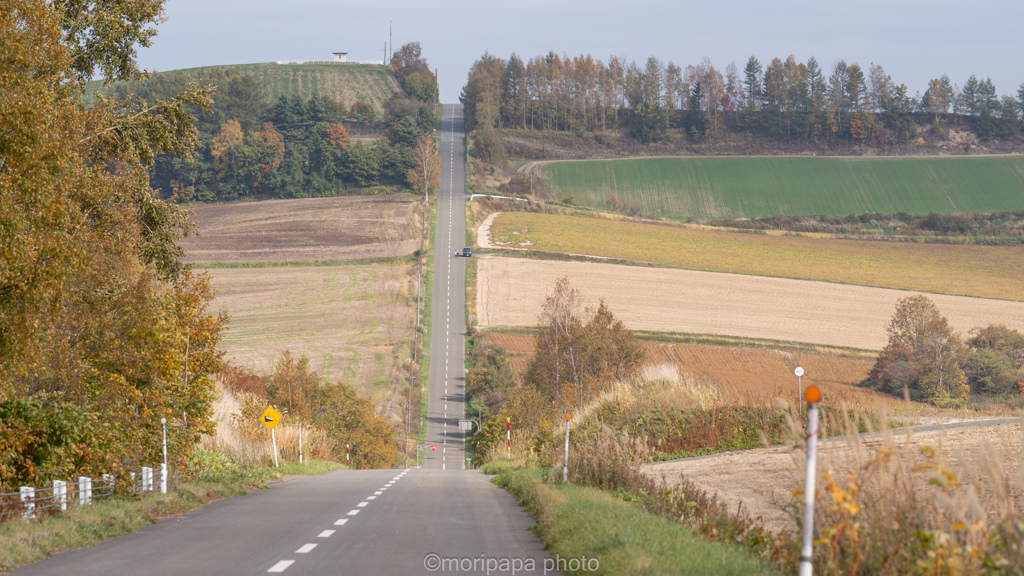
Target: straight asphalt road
439 520
374 522
446 388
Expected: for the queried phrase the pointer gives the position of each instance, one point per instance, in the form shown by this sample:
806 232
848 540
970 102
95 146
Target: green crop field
345 82
968 270
742 187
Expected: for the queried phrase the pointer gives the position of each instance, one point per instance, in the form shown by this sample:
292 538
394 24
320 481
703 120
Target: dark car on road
465 253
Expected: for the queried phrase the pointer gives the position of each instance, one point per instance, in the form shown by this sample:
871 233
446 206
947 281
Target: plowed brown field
303 229
510 292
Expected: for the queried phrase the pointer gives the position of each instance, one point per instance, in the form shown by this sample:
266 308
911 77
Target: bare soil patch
510 292
304 229
764 479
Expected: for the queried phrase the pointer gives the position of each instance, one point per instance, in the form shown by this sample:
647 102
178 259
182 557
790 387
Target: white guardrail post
84 490
60 493
28 500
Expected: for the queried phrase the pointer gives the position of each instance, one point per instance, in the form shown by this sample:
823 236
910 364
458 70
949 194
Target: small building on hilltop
341 56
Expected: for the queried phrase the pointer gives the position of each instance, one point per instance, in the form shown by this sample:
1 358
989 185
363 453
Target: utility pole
391 43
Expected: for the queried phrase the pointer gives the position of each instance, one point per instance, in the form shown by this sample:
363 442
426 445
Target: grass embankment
27 542
744 187
968 270
576 522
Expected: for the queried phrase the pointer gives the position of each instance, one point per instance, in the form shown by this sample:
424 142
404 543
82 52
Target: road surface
374 522
447 374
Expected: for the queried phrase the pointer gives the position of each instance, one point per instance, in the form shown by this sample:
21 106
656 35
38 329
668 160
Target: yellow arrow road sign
270 417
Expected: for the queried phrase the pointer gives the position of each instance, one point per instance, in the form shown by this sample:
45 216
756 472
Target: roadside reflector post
799 391
813 396
565 465
273 442
300 443
60 493
84 490
163 467
28 502
508 438
347 448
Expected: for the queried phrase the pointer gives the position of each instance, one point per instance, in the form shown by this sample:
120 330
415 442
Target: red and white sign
433 448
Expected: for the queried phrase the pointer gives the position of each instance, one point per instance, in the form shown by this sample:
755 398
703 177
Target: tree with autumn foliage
304 396
581 351
103 331
925 357
425 174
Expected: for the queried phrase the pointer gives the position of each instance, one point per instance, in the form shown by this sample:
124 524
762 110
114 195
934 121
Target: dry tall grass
244 440
896 504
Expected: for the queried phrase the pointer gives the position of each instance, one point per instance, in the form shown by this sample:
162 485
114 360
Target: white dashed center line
306 549
281 566
325 534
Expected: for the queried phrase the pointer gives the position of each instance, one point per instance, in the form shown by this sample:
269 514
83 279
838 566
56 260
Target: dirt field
349 320
765 479
746 375
304 229
510 292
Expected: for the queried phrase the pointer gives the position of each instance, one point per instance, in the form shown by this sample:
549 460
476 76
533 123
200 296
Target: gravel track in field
510 292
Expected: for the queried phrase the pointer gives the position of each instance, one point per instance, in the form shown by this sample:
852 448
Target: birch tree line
785 99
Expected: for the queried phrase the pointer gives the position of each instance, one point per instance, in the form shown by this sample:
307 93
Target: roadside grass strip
577 522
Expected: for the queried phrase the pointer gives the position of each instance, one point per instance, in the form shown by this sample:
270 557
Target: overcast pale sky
914 40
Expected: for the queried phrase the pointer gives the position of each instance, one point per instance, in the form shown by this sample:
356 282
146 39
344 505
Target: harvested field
304 230
745 375
966 270
764 479
510 292
351 321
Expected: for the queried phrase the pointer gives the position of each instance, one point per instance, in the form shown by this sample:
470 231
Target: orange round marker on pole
813 394
565 463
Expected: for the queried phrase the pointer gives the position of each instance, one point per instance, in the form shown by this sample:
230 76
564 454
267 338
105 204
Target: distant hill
374 84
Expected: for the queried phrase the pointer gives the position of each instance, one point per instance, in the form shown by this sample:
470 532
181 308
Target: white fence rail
29 500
